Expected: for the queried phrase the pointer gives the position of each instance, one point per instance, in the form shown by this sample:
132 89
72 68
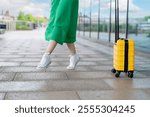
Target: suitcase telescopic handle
127 20
117 20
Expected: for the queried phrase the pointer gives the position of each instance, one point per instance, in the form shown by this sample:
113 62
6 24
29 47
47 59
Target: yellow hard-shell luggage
123 59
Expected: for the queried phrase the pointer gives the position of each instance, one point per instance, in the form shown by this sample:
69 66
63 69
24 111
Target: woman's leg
71 36
51 46
46 59
74 58
72 48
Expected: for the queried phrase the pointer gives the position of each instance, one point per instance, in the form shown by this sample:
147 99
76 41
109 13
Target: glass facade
97 21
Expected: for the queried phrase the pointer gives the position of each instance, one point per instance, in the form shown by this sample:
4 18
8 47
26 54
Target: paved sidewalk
21 51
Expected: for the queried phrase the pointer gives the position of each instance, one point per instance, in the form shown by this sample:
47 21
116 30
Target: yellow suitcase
123 59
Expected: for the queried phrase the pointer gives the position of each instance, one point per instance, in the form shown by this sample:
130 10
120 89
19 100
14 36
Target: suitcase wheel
117 74
130 74
113 70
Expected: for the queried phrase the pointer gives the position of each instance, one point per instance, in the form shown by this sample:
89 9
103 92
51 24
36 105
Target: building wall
10 25
9 20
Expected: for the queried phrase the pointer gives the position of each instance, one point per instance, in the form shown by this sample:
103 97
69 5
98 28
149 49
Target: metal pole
110 21
98 21
84 20
79 22
90 18
127 19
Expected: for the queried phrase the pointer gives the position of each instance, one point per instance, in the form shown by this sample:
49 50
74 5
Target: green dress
63 21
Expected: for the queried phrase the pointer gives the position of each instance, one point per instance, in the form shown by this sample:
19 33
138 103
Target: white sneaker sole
69 68
43 68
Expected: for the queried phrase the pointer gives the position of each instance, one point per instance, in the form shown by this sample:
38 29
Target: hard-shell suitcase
123 60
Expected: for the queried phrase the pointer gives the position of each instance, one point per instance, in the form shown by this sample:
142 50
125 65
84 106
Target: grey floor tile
84 55
6 76
41 76
65 56
19 69
31 53
33 56
86 52
9 63
2 95
145 65
63 68
64 63
89 75
96 56
71 85
64 95
60 59
114 95
11 51
142 68
56 68
10 56
6 54
25 60
81 68
100 68
87 63
58 85
129 83
145 73
23 86
29 64
34 64
147 91
107 63
1 69
94 59
141 75
4 60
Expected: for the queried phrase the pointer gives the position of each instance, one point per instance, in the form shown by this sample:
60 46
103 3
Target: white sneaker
45 61
74 59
